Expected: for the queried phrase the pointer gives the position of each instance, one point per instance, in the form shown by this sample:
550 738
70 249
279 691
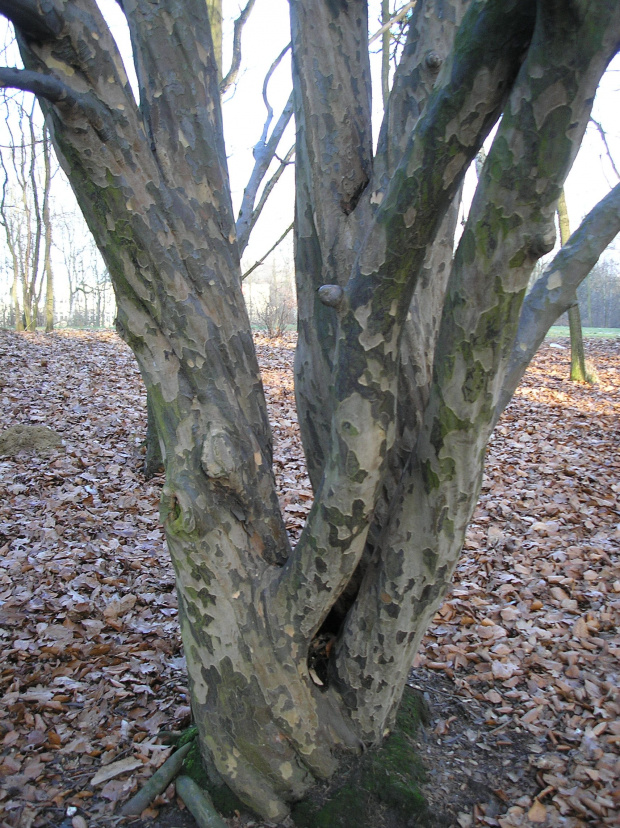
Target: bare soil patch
521 667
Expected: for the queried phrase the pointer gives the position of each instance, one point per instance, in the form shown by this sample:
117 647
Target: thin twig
271 249
394 19
603 135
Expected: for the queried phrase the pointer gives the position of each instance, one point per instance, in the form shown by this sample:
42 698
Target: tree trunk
578 369
402 354
47 224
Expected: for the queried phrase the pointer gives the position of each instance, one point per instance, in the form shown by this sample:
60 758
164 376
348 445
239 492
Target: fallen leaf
115 769
537 813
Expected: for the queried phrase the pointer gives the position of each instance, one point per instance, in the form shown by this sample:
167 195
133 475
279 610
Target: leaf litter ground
520 668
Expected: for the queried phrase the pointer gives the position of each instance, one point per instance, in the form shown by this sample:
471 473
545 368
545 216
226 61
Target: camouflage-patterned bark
403 353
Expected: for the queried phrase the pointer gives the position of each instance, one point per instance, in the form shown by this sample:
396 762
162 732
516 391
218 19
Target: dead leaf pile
93 666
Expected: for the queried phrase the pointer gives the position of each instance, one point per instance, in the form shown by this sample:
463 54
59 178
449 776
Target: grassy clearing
559 331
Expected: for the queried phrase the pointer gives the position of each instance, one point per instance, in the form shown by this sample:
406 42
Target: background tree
404 360
25 214
580 371
599 295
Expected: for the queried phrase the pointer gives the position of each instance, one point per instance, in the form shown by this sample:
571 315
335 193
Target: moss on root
380 789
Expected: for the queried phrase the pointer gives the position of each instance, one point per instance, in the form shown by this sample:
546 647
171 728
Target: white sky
265 35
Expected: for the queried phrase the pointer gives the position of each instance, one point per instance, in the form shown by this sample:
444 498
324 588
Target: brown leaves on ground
531 625
93 669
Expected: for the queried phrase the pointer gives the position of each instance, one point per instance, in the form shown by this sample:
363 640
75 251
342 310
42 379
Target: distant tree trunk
153 460
578 369
47 224
19 318
578 359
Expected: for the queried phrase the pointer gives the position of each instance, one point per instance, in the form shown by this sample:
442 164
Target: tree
599 295
580 371
405 356
26 219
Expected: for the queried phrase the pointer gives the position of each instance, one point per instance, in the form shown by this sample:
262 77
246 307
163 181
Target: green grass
558 331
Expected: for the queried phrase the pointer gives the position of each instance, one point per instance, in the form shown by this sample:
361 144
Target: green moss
193 767
347 809
383 788
225 801
187 736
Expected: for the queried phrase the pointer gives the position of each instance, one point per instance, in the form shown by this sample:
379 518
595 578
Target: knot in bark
222 458
542 243
331 295
433 61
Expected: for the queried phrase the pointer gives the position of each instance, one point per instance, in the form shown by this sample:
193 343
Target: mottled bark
333 164
510 225
402 359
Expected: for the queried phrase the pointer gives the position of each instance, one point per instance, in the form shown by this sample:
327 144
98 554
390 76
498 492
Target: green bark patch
381 788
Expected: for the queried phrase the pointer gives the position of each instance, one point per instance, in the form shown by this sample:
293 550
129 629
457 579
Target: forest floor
521 666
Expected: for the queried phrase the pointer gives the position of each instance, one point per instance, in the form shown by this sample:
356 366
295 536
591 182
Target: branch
271 249
554 292
269 188
268 77
157 783
394 19
198 803
36 20
41 85
264 154
240 22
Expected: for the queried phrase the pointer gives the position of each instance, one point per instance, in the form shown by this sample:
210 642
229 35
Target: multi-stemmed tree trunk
406 356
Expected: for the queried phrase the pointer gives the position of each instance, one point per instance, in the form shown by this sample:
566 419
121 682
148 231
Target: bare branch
271 249
603 135
240 22
264 154
269 188
36 19
45 86
394 19
268 77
